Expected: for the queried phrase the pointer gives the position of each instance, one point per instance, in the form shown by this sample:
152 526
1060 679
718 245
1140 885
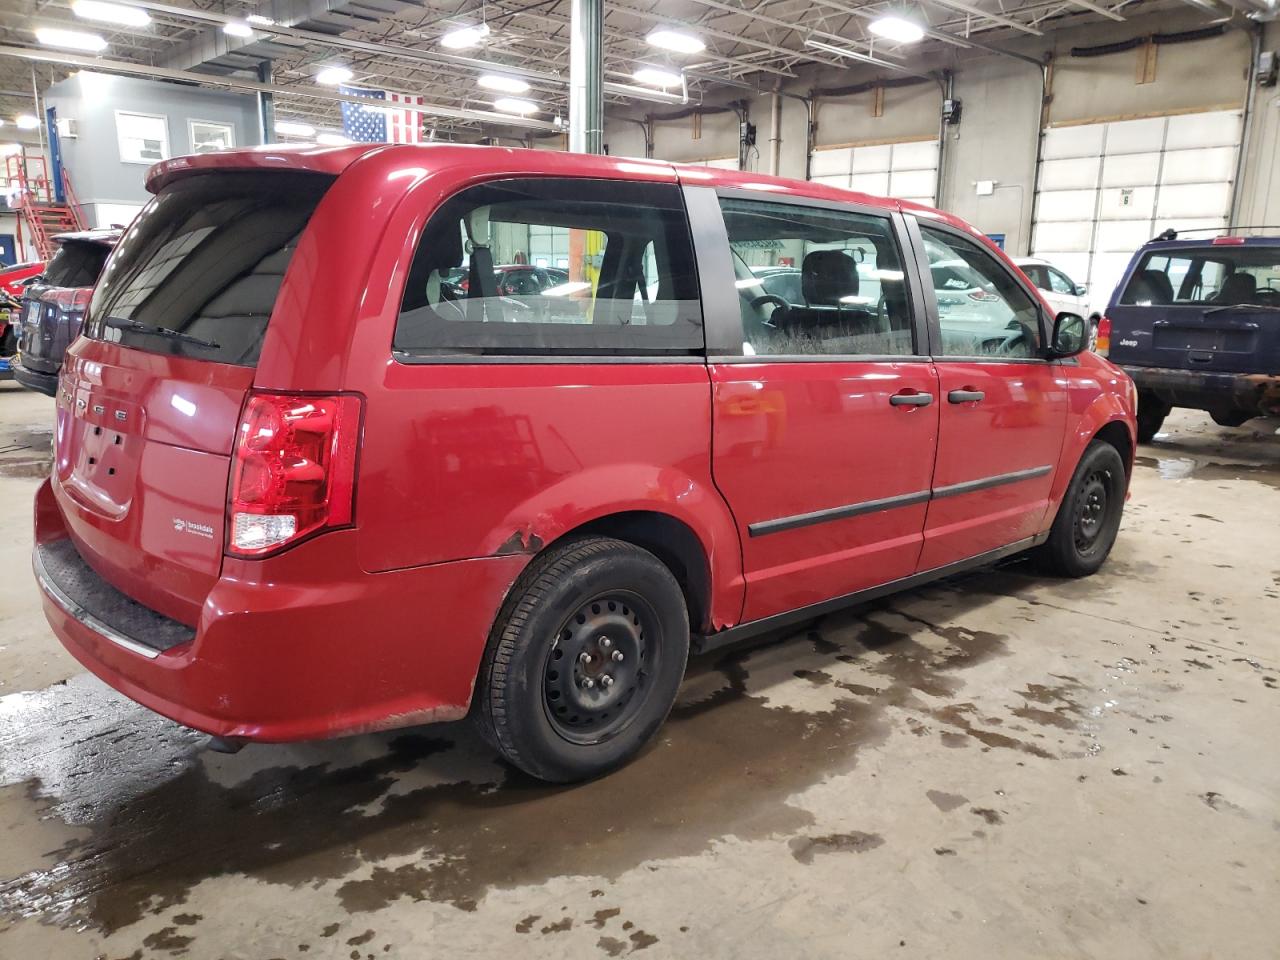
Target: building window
210 137
143 137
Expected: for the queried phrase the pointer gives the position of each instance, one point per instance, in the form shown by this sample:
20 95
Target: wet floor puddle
429 815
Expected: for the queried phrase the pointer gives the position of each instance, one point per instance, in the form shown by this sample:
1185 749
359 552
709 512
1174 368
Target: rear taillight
1103 343
294 469
70 300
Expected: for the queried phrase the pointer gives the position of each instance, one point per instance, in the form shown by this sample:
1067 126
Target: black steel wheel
584 660
1089 517
597 667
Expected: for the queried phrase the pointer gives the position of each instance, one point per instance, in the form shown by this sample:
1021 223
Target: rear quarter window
198 272
616 257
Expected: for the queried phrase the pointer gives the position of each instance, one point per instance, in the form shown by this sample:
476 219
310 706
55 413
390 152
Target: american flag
387 124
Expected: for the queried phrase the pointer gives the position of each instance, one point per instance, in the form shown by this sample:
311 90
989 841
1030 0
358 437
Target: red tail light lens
1103 344
294 469
72 300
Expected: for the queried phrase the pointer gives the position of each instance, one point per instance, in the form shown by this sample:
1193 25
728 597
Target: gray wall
998 136
106 186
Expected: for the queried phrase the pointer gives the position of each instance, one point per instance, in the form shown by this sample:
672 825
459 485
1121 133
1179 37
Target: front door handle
911 399
965 396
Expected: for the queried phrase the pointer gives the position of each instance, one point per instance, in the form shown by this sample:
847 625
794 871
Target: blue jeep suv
1196 323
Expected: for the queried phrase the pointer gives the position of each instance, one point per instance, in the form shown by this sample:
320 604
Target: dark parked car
1196 323
53 307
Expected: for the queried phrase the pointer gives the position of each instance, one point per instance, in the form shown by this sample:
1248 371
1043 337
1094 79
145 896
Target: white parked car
1061 292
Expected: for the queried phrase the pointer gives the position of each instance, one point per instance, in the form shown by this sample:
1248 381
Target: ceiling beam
975 11
239 83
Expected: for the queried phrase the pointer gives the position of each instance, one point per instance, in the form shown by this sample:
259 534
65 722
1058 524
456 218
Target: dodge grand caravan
305 488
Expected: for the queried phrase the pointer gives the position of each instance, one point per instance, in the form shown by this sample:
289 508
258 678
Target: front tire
1089 517
584 660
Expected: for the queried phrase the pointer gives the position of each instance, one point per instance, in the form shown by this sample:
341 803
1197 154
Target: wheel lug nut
588 683
606 642
617 656
585 657
606 681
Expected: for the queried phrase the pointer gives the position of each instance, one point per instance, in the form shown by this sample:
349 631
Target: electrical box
951 111
1267 68
747 133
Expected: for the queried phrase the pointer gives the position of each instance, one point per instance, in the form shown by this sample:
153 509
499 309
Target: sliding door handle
965 396
911 399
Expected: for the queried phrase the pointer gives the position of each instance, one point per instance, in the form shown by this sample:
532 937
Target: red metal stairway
37 204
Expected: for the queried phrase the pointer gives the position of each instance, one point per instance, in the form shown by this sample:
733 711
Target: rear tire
1151 413
1089 518
1230 418
584 660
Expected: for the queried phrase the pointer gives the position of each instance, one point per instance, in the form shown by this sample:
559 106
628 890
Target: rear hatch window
1213 276
197 274
76 264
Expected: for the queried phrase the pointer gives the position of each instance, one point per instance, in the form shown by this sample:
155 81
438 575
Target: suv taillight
1102 345
294 469
70 300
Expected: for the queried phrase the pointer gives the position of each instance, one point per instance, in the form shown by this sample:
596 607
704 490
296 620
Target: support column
266 106
586 70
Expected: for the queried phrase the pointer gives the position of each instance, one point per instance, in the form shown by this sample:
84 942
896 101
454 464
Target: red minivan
305 487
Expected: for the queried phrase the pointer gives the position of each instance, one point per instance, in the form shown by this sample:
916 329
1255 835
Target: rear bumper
303 646
46 383
1257 393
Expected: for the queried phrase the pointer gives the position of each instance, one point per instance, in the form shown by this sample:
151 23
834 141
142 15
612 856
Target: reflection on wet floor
113 817
162 815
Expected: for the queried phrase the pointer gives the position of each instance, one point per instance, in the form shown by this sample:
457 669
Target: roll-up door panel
1105 188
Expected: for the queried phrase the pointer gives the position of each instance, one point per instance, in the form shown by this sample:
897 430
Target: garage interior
996 765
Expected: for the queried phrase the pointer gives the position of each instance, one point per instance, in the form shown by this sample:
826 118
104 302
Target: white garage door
906 171
1107 188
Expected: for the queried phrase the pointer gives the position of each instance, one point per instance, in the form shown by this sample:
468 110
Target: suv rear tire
1151 413
1089 518
584 660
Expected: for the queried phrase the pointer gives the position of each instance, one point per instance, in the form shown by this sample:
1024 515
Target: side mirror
1081 289
1070 336
31 280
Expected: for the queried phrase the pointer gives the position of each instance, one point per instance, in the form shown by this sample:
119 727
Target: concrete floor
998 766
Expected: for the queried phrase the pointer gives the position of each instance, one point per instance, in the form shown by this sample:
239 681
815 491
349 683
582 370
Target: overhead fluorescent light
105 12
70 39
259 20
515 105
657 77
675 40
332 139
494 81
333 75
237 28
26 121
293 128
898 29
462 37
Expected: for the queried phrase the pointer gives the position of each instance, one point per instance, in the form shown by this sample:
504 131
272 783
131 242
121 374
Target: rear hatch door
1211 307
151 396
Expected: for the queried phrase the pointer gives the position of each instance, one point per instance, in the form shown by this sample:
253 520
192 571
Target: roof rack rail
1172 234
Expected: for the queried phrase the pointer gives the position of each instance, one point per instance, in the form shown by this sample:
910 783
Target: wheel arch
668 538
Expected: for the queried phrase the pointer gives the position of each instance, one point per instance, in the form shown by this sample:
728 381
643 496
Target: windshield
205 258
1211 276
